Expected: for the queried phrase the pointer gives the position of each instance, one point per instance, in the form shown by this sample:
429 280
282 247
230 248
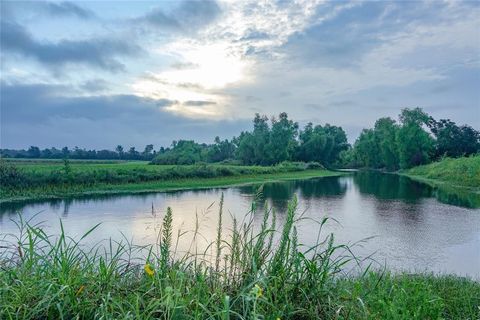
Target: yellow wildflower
148 269
259 291
80 290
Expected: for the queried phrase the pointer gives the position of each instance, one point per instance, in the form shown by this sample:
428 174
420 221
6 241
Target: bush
10 175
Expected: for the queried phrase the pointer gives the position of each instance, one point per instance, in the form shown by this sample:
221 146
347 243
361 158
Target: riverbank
248 273
449 173
51 181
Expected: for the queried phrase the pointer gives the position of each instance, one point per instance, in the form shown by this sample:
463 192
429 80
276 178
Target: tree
65 152
183 152
119 150
415 145
33 152
452 140
245 151
147 153
133 154
282 141
367 149
220 150
385 131
321 144
261 136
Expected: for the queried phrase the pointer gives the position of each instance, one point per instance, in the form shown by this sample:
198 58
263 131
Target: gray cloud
95 85
37 115
165 102
52 9
67 8
188 16
253 34
342 42
199 103
95 52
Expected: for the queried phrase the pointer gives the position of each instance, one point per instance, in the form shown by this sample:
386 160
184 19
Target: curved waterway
406 225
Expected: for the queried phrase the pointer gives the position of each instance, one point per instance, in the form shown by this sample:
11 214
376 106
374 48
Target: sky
96 74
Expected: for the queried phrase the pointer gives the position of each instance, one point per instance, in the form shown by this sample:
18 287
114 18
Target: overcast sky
98 74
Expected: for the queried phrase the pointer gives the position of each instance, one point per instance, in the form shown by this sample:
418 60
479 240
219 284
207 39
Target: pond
406 225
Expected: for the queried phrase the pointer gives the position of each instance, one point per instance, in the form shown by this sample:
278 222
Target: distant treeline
416 139
76 153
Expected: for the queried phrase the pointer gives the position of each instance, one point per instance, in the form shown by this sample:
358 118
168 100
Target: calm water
405 224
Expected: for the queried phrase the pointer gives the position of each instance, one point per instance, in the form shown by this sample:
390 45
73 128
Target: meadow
44 179
253 273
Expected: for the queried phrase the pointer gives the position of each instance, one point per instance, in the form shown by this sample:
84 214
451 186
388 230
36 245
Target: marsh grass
20 181
249 272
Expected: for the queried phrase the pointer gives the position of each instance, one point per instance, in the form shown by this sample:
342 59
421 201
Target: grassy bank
46 180
245 274
459 172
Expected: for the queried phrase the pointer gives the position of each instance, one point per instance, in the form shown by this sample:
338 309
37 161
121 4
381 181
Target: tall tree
282 141
119 150
415 145
386 137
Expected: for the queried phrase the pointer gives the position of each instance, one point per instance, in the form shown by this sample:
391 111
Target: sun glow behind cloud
194 82
222 56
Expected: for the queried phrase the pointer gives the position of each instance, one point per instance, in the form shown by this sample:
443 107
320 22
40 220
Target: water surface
409 225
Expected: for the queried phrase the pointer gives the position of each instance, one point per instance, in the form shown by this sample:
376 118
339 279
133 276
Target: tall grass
253 273
20 179
458 172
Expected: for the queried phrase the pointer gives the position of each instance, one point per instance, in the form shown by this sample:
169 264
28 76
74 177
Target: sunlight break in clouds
223 55
191 83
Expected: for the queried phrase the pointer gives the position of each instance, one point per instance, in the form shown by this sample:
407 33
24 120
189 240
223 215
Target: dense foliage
190 152
415 140
270 142
249 273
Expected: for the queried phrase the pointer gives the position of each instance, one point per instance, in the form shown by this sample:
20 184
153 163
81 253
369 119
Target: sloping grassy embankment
459 172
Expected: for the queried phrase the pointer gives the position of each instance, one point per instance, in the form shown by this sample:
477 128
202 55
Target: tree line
77 153
415 139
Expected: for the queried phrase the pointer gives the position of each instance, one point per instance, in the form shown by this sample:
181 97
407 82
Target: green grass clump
463 172
246 273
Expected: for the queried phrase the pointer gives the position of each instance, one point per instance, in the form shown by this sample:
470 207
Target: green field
22 180
459 172
250 274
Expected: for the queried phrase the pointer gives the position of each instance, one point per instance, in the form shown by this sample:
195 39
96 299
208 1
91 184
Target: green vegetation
248 273
415 140
51 179
418 139
463 172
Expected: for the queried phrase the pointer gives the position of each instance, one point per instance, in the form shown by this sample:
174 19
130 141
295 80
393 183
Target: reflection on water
415 226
